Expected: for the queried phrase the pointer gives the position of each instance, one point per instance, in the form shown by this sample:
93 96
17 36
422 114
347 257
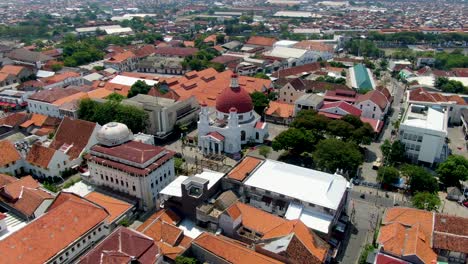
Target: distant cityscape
189 132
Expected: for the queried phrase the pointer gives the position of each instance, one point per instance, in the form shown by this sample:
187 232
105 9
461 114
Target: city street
373 150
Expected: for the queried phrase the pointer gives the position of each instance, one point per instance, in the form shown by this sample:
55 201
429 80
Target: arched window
257 135
242 135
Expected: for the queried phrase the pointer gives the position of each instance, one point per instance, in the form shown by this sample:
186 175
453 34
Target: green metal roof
362 77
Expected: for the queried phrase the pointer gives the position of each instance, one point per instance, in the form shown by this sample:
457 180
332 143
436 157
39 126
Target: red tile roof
133 151
279 109
14 119
376 97
124 245
422 95
40 156
451 233
60 226
261 41
6 179
350 109
244 168
121 57
75 133
176 51
52 95
170 239
230 251
9 153
306 68
12 69
115 207
24 195
216 135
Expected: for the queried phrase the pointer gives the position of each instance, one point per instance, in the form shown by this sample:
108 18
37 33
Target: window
121 183
66 254
291 94
102 177
73 249
94 233
61 258
99 229
152 185
242 135
107 178
375 108
360 106
112 180
134 189
126 183
373 115
241 117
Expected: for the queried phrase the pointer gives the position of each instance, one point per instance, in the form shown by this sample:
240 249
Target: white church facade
232 123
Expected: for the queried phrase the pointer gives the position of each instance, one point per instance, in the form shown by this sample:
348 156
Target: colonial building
233 123
129 167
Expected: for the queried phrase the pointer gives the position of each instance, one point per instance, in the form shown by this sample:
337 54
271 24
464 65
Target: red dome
234 97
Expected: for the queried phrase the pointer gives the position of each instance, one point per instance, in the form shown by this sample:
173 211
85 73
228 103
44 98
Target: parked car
377 164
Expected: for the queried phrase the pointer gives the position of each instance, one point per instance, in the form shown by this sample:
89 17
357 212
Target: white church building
233 123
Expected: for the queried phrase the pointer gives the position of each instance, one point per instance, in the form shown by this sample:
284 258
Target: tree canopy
393 153
102 113
295 140
426 201
420 180
332 154
139 87
453 170
450 86
260 101
388 175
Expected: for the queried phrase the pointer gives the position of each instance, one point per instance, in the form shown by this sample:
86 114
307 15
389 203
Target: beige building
165 114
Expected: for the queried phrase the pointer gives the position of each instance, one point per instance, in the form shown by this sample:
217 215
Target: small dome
234 97
113 134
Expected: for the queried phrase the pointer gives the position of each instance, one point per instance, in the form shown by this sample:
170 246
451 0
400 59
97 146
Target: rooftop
433 118
307 185
115 207
175 187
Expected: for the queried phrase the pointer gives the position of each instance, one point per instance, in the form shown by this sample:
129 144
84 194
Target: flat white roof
129 81
431 119
190 228
312 219
293 14
111 31
44 74
285 43
312 186
80 188
174 188
285 52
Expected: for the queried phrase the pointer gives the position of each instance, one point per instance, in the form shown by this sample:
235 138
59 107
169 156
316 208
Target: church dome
234 97
113 134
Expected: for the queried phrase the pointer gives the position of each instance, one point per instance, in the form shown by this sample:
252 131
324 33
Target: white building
234 122
316 198
423 131
293 56
130 167
374 104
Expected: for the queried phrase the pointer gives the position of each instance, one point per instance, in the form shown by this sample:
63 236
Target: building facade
130 167
233 124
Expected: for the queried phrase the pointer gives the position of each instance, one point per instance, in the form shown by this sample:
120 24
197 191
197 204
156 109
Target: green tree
332 154
115 97
420 180
56 67
340 128
363 135
139 87
294 140
260 101
388 175
426 201
453 170
309 119
185 260
261 75
219 39
264 151
393 153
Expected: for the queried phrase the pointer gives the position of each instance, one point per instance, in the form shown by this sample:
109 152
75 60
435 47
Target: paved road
374 152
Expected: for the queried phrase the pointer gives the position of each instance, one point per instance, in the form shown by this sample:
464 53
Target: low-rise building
161 65
28 58
124 245
308 102
279 112
13 98
361 78
164 113
374 104
292 57
70 225
10 161
423 131
129 167
316 198
124 61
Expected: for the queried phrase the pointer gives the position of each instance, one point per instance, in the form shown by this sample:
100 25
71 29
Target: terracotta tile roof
98 93
210 38
60 77
14 119
280 109
308 245
312 45
4 76
225 59
261 41
9 153
40 156
189 43
306 68
6 179
133 151
386 259
124 245
421 95
52 95
176 51
374 96
115 207
216 135
60 226
385 92
451 233
258 220
24 195
229 251
350 109
12 69
206 85
409 217
70 98
460 72
35 119
245 167
144 51
74 132
121 57
170 239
